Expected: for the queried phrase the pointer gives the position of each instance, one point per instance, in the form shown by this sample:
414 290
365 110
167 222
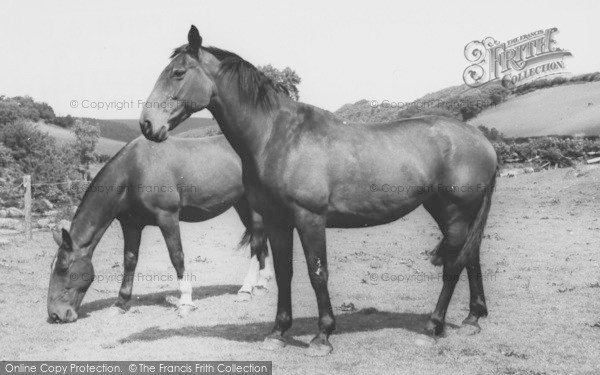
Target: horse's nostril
146 126
54 317
163 133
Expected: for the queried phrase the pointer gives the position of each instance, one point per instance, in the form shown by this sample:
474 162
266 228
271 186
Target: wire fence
24 191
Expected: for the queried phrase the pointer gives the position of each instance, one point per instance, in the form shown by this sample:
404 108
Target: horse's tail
245 240
258 245
470 249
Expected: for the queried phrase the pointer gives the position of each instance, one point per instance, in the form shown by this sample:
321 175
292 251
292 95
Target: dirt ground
540 259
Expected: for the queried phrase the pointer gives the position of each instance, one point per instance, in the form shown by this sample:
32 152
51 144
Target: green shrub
30 151
9 112
543 150
86 139
64 121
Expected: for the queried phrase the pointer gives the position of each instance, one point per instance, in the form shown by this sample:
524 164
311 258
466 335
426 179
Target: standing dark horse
305 168
152 184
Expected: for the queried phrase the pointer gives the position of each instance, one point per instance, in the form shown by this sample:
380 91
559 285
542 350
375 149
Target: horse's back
199 177
350 169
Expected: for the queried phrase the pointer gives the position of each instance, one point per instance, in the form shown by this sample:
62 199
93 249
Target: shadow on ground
365 320
159 299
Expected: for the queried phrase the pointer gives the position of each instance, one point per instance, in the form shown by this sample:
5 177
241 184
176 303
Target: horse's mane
254 86
100 178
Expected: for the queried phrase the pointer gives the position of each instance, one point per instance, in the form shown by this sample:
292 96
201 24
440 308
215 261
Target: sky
75 55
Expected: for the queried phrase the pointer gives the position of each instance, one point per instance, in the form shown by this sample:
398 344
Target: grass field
104 146
567 109
540 259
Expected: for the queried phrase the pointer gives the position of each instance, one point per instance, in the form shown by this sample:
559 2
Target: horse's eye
61 262
178 73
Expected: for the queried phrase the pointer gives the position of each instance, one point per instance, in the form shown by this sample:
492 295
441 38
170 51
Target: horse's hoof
260 290
243 296
172 300
469 329
436 260
185 310
272 344
319 347
115 310
433 328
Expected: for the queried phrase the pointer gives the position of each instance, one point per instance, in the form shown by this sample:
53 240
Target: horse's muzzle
147 131
67 315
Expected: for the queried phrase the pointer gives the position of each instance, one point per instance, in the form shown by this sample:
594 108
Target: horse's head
70 277
184 87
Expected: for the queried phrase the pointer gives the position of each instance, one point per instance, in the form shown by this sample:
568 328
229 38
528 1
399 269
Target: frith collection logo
517 61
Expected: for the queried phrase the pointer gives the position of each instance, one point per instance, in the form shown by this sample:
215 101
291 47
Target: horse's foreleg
169 226
131 234
281 240
311 229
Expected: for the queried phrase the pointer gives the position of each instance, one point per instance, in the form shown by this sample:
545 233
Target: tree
25 107
86 139
9 112
64 121
27 144
287 78
470 106
494 135
46 112
28 107
496 94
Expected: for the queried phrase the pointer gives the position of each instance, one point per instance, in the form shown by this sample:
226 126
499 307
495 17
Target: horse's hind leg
132 233
266 273
251 279
260 271
168 223
259 247
438 210
477 305
454 222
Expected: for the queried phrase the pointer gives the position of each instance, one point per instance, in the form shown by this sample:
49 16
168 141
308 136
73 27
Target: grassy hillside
105 145
566 109
116 133
114 129
563 110
450 102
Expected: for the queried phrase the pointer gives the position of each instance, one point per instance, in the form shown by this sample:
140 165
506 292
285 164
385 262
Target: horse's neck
247 134
97 210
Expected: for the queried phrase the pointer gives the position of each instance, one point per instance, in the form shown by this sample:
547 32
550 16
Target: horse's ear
194 40
57 237
66 240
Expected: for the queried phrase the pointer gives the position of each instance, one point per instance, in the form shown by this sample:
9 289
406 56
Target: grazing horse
304 168
153 184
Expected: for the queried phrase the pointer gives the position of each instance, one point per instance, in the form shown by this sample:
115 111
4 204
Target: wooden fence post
27 184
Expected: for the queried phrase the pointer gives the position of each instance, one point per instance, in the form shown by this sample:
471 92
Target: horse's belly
370 212
192 214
